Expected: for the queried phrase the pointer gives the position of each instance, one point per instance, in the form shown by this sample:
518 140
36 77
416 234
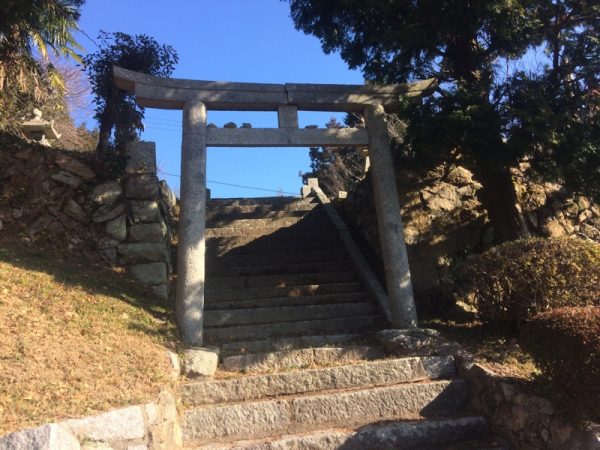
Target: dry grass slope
75 339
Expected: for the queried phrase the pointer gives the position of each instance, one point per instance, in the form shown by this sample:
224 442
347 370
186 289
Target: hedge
514 281
565 343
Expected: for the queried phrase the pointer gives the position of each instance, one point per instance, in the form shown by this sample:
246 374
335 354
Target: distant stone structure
196 97
40 130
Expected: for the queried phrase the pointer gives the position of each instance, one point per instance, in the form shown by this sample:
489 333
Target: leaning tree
471 47
116 109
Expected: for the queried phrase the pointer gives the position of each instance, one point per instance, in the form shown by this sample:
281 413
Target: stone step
329 299
249 244
279 258
253 420
289 329
214 295
230 317
363 375
299 232
432 434
281 280
258 211
480 443
280 269
315 218
259 201
295 359
291 343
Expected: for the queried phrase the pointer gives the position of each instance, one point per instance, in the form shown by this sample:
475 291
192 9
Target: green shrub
514 281
565 343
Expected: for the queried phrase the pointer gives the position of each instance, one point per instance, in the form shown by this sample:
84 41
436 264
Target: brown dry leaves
70 348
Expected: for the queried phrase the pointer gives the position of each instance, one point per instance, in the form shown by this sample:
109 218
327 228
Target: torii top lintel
172 93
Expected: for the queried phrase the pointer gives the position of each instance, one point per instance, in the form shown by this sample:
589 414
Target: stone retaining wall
146 249
444 221
153 426
56 201
529 422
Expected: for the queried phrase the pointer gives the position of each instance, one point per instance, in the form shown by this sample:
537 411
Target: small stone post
391 231
189 306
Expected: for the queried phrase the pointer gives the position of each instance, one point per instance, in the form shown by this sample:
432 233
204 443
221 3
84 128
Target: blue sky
226 40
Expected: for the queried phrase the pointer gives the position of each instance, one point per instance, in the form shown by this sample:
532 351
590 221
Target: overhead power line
279 191
91 39
161 119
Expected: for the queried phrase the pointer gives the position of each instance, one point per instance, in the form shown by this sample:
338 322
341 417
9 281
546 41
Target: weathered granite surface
528 421
153 426
200 362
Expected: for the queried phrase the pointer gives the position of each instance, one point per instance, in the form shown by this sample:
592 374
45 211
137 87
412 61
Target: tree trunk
106 125
499 196
107 122
500 200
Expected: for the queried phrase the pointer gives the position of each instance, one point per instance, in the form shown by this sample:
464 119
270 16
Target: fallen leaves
71 344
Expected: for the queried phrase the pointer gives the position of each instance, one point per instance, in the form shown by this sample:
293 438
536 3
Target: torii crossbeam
196 97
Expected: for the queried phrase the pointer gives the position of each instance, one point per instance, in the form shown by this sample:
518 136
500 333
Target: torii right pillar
389 221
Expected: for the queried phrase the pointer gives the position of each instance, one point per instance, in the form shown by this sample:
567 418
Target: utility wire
160 119
237 185
173 130
93 41
279 191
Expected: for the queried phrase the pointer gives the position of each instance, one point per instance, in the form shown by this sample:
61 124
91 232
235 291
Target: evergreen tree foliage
116 109
553 115
484 109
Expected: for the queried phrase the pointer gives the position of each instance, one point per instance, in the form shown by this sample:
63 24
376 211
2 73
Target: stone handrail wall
369 279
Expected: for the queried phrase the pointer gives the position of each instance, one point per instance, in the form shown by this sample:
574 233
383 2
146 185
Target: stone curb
151 426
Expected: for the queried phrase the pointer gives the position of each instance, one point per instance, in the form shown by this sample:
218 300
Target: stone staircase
300 367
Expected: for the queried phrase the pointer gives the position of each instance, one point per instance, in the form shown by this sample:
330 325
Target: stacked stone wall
146 249
55 201
528 421
445 222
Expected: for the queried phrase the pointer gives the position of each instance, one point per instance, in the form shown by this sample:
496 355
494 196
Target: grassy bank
75 339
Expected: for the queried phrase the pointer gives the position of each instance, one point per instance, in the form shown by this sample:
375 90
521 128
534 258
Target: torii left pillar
189 307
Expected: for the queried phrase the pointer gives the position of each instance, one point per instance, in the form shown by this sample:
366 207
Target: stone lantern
40 130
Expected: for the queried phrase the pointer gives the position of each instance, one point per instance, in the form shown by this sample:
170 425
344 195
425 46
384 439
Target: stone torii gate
196 97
